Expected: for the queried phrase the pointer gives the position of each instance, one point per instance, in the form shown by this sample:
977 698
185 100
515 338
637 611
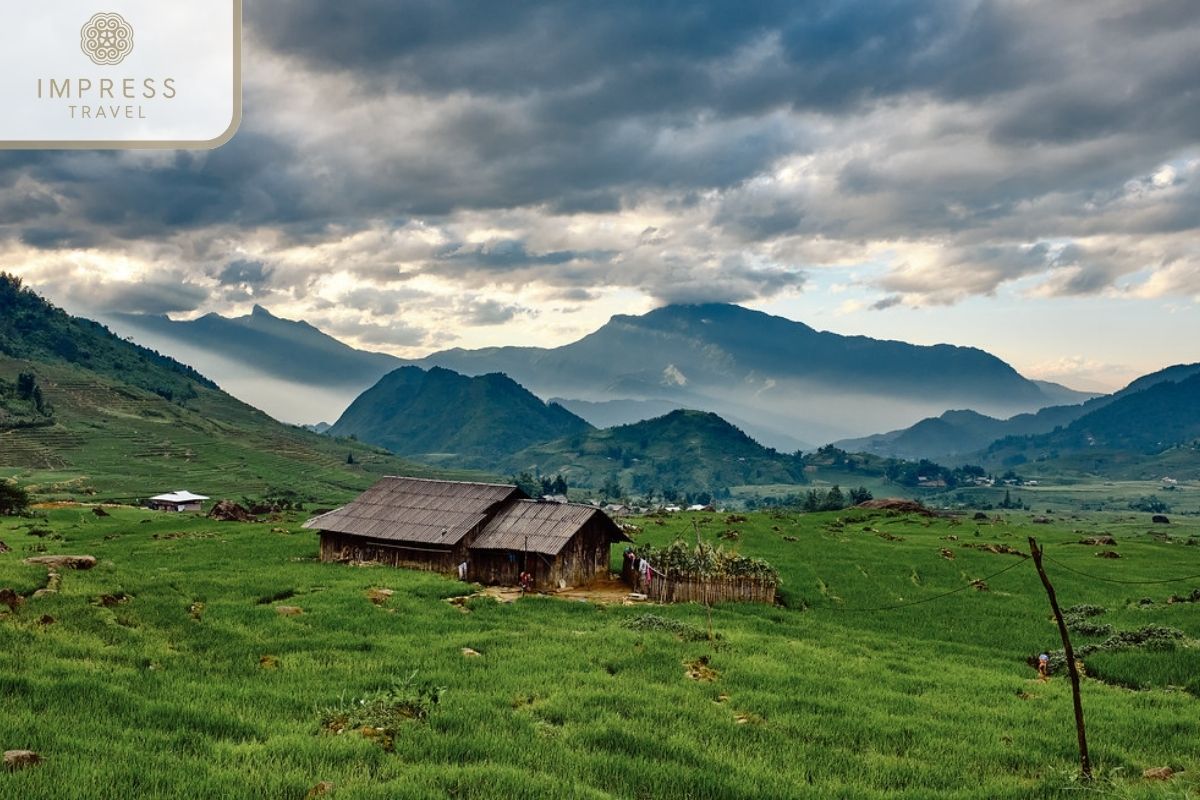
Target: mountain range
788 385
964 435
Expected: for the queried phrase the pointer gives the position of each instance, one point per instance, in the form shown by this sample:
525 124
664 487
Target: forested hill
684 450
86 414
440 414
33 329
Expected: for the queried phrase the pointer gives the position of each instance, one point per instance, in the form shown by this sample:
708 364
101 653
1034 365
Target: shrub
380 714
13 499
652 622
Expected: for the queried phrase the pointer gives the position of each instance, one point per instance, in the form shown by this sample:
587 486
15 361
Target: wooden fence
687 589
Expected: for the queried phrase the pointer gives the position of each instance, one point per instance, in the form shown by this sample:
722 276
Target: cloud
244 273
492 312
630 152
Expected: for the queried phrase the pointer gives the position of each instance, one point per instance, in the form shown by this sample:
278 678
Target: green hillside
885 673
956 434
1137 435
688 451
444 416
121 421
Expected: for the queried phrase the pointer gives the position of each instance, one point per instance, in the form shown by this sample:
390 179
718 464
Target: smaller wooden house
181 500
560 544
495 529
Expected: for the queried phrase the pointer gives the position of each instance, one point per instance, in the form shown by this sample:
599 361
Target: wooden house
181 500
495 529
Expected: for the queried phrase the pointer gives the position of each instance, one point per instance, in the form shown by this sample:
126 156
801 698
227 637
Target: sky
1020 176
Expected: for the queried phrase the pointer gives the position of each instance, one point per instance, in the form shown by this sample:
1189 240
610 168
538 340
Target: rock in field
4 548
63 562
20 759
1096 541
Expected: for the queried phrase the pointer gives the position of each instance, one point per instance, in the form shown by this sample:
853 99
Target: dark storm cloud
509 254
143 297
245 273
982 126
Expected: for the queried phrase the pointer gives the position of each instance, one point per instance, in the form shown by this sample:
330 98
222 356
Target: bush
380 714
652 622
13 499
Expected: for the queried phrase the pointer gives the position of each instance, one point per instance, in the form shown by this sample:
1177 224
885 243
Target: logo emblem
106 39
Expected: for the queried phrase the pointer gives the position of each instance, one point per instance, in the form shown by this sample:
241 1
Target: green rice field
167 672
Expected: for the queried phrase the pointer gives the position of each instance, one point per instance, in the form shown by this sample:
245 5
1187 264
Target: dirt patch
4 548
63 562
980 585
268 662
1099 541
10 598
1158 774
112 600
699 670
289 611
947 554
997 548
379 596
1108 554
320 790
20 759
1194 597
184 535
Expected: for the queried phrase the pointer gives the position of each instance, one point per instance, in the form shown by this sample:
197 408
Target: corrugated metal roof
181 496
540 527
417 510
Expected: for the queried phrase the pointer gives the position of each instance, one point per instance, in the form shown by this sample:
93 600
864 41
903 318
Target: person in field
1044 667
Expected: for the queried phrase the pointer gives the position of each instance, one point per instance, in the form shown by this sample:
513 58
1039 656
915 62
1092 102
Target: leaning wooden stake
1085 763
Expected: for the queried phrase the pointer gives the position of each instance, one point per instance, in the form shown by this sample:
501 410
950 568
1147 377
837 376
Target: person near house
526 581
462 571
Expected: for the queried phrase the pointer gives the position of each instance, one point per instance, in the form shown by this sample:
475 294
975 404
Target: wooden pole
1085 762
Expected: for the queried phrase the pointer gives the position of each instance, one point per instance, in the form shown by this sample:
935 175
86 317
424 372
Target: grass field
168 673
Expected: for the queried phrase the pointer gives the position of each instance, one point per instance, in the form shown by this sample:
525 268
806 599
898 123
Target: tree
350 458
13 499
526 483
860 495
834 500
611 488
560 485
